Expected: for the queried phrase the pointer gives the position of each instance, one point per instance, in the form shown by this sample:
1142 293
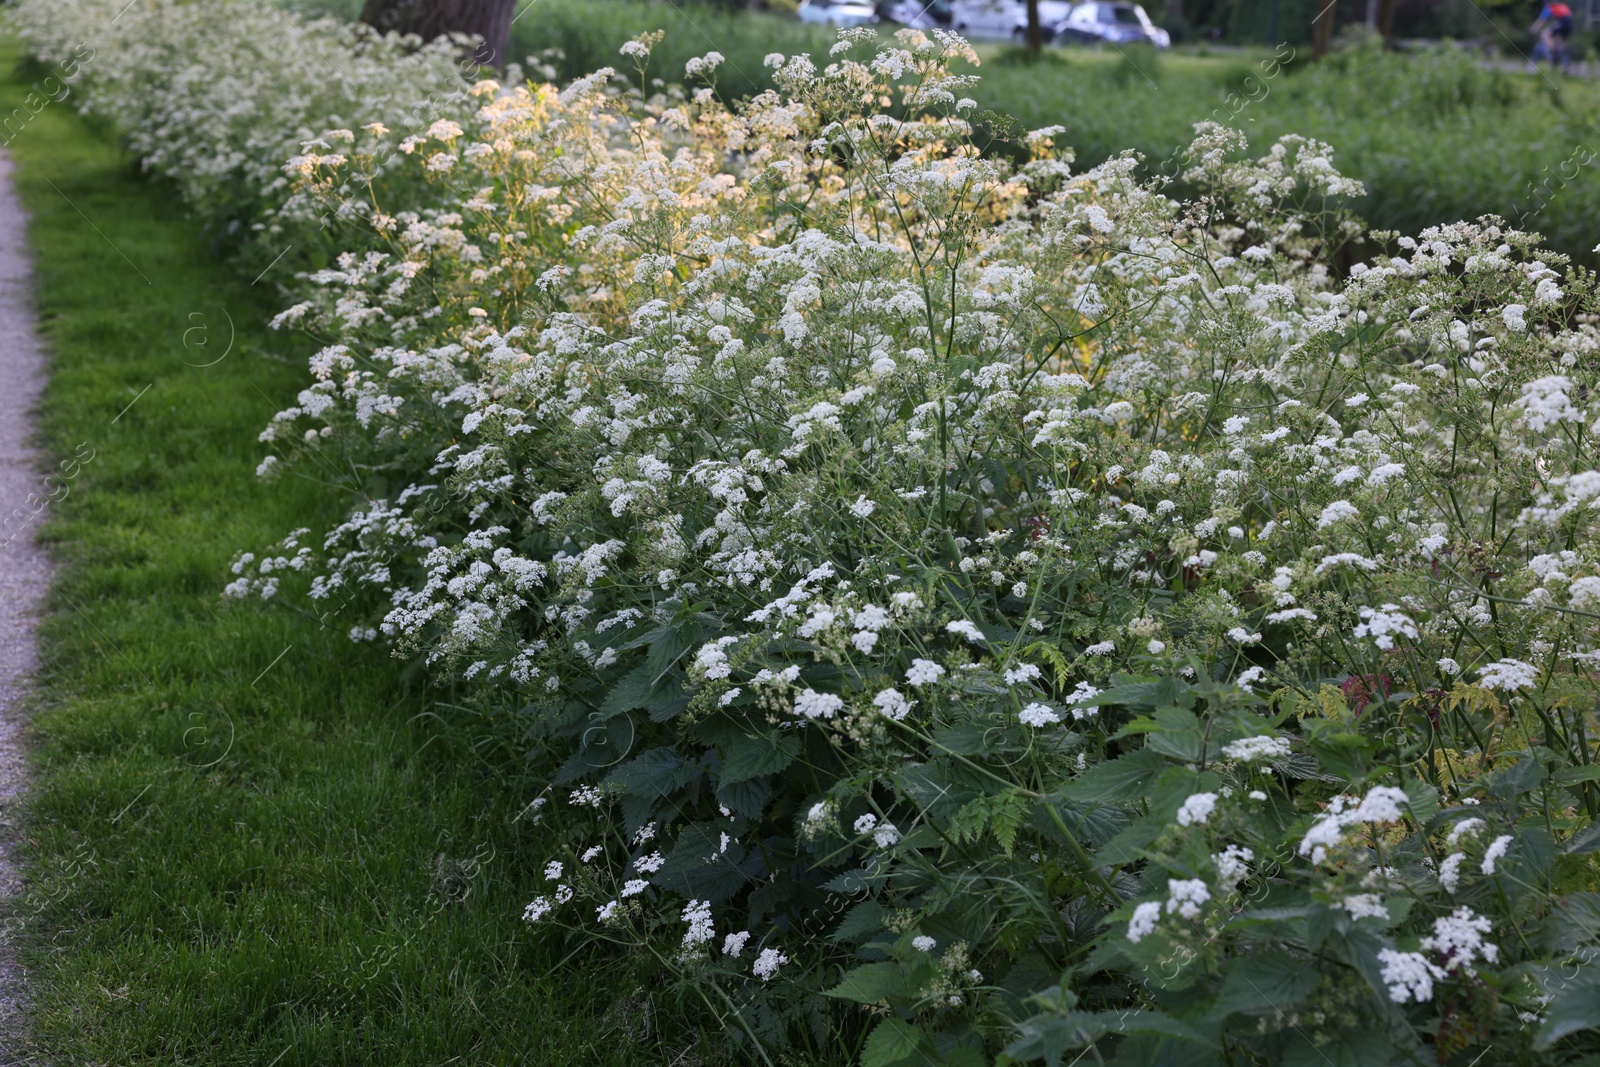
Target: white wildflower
1197 809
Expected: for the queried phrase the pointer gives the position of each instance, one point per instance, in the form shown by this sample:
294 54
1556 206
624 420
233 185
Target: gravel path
24 574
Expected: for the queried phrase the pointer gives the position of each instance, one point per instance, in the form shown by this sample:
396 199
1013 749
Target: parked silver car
1112 21
918 14
1006 19
838 12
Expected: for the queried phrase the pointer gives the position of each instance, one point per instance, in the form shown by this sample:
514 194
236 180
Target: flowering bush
979 606
215 96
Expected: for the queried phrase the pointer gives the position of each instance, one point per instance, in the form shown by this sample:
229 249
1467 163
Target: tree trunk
486 19
1386 22
1035 29
1322 29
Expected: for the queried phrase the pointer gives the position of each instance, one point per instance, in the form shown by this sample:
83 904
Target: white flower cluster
1382 805
703 410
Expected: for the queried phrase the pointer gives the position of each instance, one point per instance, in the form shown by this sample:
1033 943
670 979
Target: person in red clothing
1554 26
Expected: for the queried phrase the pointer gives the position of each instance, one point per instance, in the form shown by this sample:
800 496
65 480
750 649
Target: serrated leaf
1264 982
1574 1005
746 798
654 773
701 866
892 1042
1116 781
668 647
1575 921
1423 799
861 921
1584 841
631 691
1149 695
1513 781
852 881
1574 775
753 756
868 984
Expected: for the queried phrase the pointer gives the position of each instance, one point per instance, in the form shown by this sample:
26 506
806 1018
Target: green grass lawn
237 818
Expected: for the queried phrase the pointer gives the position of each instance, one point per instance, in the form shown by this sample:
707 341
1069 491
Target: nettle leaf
894 1042
1095 825
1343 1048
1574 923
1423 799
1522 777
1264 982
1576 775
932 788
870 983
860 922
970 738
1120 780
855 880
1574 1005
646 779
654 773
702 867
669 702
631 691
1144 694
747 797
1584 841
754 756
1050 1038
1171 732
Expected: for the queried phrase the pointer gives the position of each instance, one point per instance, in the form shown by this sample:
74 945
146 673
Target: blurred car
1007 18
838 12
918 14
1113 22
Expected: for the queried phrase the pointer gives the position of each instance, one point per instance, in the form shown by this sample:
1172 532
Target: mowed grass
237 816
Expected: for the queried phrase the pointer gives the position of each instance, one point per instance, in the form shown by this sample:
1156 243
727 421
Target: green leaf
869 984
892 1042
1584 841
1002 814
667 646
1575 921
752 757
631 691
863 920
969 738
1176 733
1574 1004
1520 778
1265 982
1574 775
699 868
1120 780
1423 799
1342 1048
1129 692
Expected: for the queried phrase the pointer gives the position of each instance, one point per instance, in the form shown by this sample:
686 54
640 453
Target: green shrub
969 608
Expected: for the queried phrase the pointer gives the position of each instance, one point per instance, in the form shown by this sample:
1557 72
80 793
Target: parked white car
1114 22
1007 19
838 12
919 14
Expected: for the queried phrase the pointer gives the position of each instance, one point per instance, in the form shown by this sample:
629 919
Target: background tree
1035 30
488 19
1322 28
